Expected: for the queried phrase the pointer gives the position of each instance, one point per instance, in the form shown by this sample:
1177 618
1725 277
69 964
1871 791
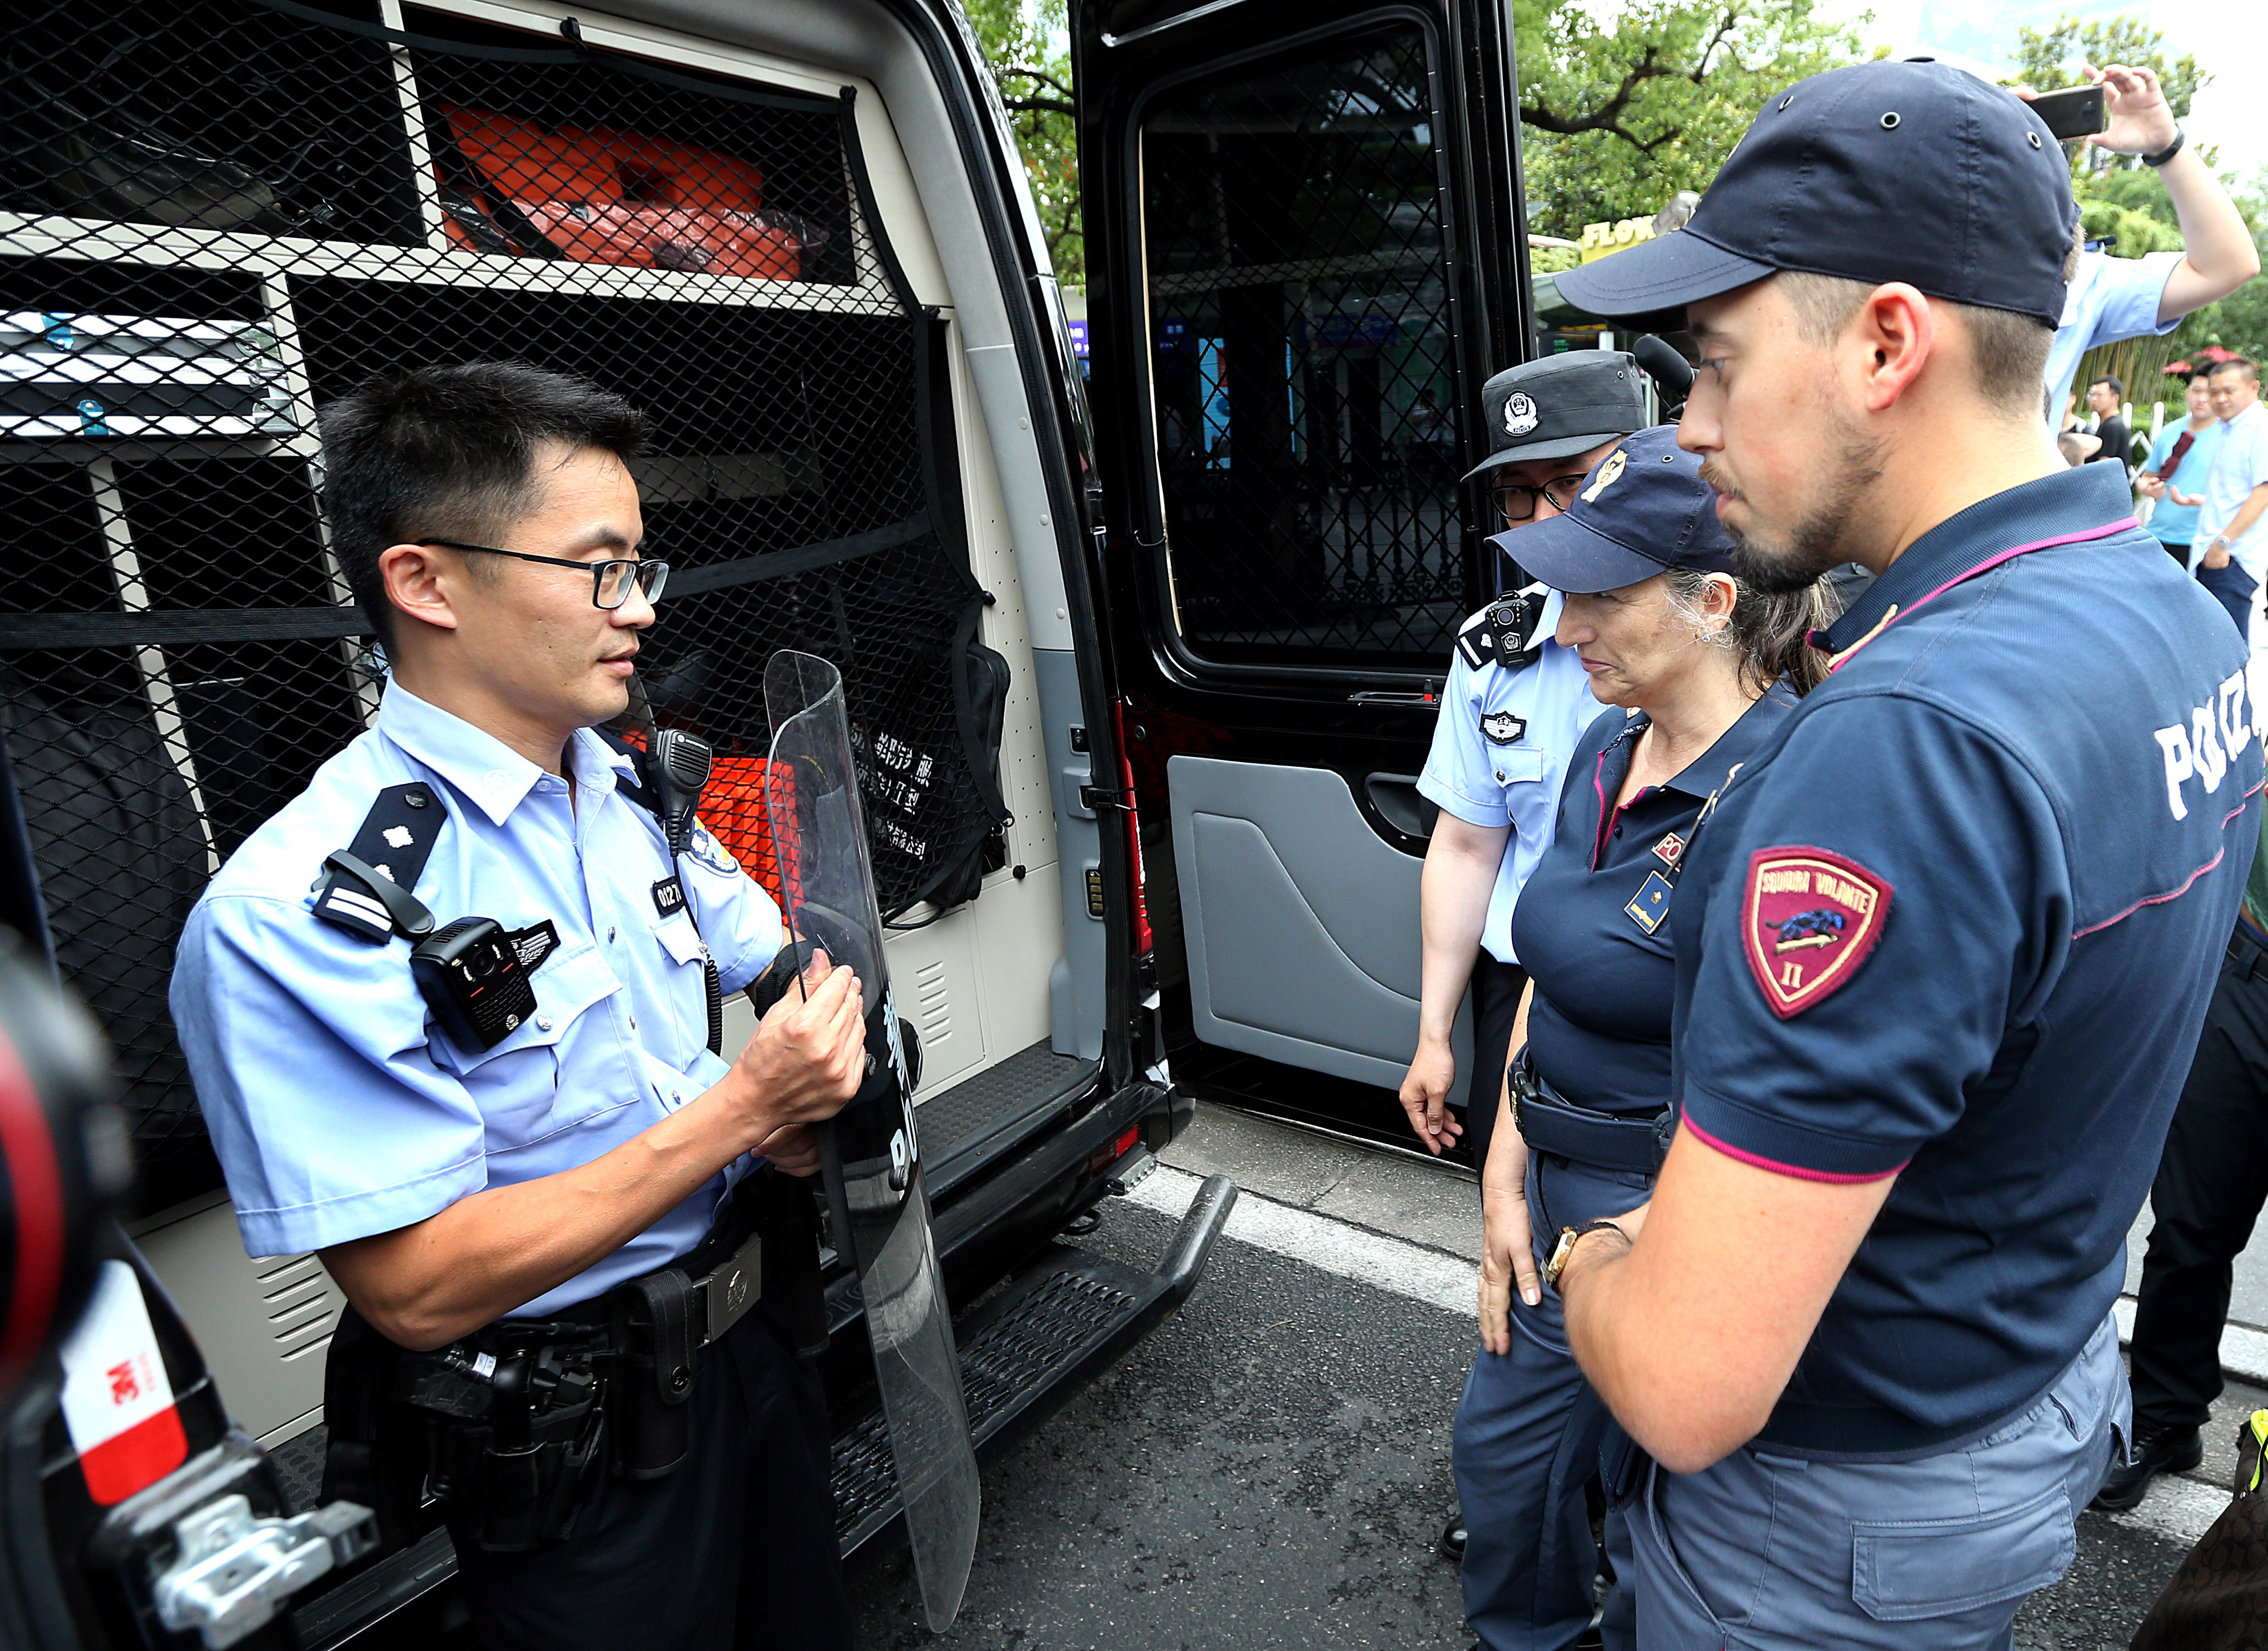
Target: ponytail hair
1771 634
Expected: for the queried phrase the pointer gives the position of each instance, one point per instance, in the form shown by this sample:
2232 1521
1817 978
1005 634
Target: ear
419 583
1897 328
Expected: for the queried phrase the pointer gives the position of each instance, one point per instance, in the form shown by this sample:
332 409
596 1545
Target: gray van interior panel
1076 992
1304 943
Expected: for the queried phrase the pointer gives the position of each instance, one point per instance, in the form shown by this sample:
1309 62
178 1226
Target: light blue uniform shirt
2176 524
2109 298
1485 782
339 1109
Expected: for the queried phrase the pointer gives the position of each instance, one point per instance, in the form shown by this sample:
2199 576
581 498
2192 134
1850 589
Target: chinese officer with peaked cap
1512 708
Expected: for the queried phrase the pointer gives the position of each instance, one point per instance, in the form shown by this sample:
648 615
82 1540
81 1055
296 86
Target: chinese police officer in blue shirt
1946 943
514 1206
1512 708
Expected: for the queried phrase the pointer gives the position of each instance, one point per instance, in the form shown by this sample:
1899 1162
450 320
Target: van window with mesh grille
1302 380
215 215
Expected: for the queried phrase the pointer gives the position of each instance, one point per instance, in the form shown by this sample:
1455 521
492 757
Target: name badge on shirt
1651 904
668 897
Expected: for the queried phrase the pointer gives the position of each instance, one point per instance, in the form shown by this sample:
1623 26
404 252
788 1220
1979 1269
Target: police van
1140 622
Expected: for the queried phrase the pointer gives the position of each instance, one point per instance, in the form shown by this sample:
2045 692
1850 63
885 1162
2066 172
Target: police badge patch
1808 918
1520 415
1502 727
709 852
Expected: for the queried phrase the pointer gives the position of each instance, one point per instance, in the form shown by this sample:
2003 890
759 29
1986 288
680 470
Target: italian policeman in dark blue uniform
1949 937
505 1209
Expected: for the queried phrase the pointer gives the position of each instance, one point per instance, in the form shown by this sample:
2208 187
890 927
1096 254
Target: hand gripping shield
869 1152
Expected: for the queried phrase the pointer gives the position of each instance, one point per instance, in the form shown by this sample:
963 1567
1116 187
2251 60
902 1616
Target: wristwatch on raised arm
1569 1237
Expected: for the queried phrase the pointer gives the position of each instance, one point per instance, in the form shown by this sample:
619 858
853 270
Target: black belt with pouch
1550 1124
518 1415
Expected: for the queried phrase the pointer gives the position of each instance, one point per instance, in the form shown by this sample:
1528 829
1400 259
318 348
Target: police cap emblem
1502 727
1520 413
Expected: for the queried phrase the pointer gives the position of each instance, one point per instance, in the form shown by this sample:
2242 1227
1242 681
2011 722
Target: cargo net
217 214
1306 397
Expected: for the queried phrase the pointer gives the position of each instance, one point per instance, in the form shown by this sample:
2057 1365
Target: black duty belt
2247 953
1550 1124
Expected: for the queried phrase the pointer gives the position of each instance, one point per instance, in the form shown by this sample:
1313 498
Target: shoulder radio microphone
1671 372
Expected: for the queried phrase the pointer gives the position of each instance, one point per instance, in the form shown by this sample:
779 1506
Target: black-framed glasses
1516 503
610 580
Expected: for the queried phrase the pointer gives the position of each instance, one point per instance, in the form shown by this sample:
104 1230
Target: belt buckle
729 1292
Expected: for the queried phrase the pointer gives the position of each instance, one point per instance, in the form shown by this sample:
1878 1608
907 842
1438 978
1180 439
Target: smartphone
2074 112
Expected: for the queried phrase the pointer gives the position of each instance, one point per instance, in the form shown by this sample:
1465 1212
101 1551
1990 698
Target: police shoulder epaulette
395 840
1504 632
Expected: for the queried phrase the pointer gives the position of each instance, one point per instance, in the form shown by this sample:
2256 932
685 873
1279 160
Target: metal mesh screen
1303 381
215 215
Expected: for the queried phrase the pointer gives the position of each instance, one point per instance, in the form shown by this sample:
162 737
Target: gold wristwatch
1569 1237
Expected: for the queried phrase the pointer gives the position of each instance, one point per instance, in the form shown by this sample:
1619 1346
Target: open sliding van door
1306 248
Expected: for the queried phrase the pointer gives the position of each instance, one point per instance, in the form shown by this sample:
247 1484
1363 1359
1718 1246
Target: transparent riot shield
872 1158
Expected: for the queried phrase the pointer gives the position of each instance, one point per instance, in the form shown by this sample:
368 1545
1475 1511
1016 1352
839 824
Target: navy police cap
1644 509
1912 172
1560 406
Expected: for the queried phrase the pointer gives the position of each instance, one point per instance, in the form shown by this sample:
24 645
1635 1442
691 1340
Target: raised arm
2218 255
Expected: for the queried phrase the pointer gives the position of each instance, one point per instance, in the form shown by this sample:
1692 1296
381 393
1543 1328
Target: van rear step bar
1063 1319
1067 1317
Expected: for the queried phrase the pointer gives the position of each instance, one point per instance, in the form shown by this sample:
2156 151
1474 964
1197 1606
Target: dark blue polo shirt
1957 922
1595 910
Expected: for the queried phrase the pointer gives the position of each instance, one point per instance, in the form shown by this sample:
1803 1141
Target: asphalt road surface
1270 1468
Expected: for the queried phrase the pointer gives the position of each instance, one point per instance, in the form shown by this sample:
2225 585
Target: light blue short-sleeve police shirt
2109 298
339 1110
1501 748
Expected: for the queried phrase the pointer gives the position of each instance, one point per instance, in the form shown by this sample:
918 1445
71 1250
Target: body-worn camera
470 975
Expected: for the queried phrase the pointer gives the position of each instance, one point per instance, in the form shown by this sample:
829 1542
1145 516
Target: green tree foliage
1618 117
1028 48
2118 196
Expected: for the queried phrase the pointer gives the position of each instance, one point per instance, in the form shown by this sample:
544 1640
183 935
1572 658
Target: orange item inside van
604 196
733 808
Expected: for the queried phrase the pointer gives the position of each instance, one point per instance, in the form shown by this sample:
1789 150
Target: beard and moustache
1820 539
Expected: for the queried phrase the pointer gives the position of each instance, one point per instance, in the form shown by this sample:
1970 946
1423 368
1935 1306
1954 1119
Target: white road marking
2176 1510
1448 1282
2243 1350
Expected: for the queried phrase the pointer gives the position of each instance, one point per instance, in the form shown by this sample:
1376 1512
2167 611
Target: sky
2230 37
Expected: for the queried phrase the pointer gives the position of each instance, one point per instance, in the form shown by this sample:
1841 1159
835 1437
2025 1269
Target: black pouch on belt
660 1344
518 1481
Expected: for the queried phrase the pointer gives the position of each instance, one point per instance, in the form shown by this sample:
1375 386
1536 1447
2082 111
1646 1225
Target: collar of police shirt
481 767
1964 542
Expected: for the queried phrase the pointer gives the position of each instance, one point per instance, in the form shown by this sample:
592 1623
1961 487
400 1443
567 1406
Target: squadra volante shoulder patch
1808 918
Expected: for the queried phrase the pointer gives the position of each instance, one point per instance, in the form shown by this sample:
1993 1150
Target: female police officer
1702 669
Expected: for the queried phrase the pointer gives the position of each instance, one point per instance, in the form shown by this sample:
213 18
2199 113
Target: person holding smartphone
2112 298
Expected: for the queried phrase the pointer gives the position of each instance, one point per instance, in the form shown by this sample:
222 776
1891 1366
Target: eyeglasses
610 580
1517 503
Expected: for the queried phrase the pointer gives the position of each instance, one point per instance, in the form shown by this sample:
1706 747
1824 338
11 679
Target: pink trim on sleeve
1778 1167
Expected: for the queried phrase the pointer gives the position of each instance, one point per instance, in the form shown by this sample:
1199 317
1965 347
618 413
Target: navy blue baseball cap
1912 172
1644 509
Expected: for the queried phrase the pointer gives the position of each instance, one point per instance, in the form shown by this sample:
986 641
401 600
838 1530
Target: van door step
1061 1321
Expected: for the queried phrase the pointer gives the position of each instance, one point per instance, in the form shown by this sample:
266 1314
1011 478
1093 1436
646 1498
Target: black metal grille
216 214
1305 390
1010 1359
